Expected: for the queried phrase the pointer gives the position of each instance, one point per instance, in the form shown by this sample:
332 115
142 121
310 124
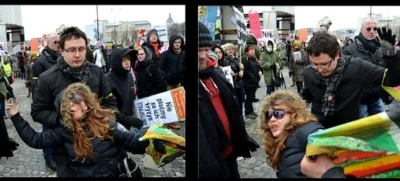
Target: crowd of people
84 100
342 82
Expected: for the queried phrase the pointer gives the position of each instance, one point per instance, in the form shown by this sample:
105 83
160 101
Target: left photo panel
94 93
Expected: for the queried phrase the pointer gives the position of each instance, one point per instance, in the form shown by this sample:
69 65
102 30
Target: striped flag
365 148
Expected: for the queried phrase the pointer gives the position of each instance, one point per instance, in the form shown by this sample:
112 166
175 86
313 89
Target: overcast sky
38 20
341 16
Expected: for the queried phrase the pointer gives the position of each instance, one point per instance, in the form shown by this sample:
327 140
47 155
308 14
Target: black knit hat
205 38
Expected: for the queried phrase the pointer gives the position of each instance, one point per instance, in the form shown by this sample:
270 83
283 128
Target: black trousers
299 85
250 96
61 160
231 162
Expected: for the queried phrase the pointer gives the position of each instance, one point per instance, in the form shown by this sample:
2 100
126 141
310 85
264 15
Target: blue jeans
47 152
270 89
371 109
22 75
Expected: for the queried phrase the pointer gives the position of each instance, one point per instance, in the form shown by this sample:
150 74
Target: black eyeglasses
324 65
374 28
277 113
56 42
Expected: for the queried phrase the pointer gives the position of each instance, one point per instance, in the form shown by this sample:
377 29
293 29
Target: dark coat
295 149
110 151
371 94
121 83
212 137
357 75
172 64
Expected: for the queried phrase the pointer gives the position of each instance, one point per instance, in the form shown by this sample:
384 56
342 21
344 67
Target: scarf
155 47
81 73
332 83
231 106
369 45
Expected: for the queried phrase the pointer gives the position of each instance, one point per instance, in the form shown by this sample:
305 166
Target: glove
12 144
159 146
129 120
241 73
241 67
252 144
388 41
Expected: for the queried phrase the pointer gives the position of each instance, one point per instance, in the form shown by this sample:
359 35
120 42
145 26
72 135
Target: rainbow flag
174 146
365 148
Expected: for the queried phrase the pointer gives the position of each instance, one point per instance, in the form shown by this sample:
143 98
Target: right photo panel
299 92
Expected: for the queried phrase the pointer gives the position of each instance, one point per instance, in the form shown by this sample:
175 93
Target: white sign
16 49
3 48
165 107
241 27
162 33
228 73
297 56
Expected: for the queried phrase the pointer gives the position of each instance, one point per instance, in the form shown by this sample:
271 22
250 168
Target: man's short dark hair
323 42
71 33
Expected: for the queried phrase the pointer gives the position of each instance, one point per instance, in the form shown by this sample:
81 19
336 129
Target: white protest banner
228 73
3 48
165 107
162 32
241 26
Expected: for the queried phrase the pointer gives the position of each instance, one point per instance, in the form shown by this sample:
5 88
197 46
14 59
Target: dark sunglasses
277 113
369 28
76 98
56 42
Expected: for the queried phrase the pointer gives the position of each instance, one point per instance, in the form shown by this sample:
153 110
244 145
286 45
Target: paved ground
29 162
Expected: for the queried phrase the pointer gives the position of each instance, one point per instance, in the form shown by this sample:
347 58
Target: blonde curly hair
299 116
94 122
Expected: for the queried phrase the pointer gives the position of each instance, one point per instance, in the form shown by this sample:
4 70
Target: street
29 162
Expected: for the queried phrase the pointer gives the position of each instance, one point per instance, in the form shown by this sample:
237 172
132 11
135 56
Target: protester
72 67
222 133
122 85
29 73
80 111
285 124
171 62
298 65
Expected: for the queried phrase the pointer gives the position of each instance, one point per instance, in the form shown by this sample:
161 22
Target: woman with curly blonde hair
285 124
89 133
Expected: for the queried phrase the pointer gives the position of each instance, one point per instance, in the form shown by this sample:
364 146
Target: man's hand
241 73
252 144
316 168
388 42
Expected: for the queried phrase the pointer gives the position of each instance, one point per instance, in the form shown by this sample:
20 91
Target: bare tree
176 29
114 35
135 36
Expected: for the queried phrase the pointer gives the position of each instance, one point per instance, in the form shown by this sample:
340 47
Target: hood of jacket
251 40
171 42
116 57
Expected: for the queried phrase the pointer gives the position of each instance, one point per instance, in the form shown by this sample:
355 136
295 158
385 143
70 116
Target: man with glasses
368 47
47 59
334 83
71 68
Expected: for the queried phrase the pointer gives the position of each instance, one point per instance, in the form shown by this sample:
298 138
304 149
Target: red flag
255 26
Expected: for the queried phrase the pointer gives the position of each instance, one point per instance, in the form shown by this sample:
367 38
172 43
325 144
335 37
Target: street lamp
97 14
